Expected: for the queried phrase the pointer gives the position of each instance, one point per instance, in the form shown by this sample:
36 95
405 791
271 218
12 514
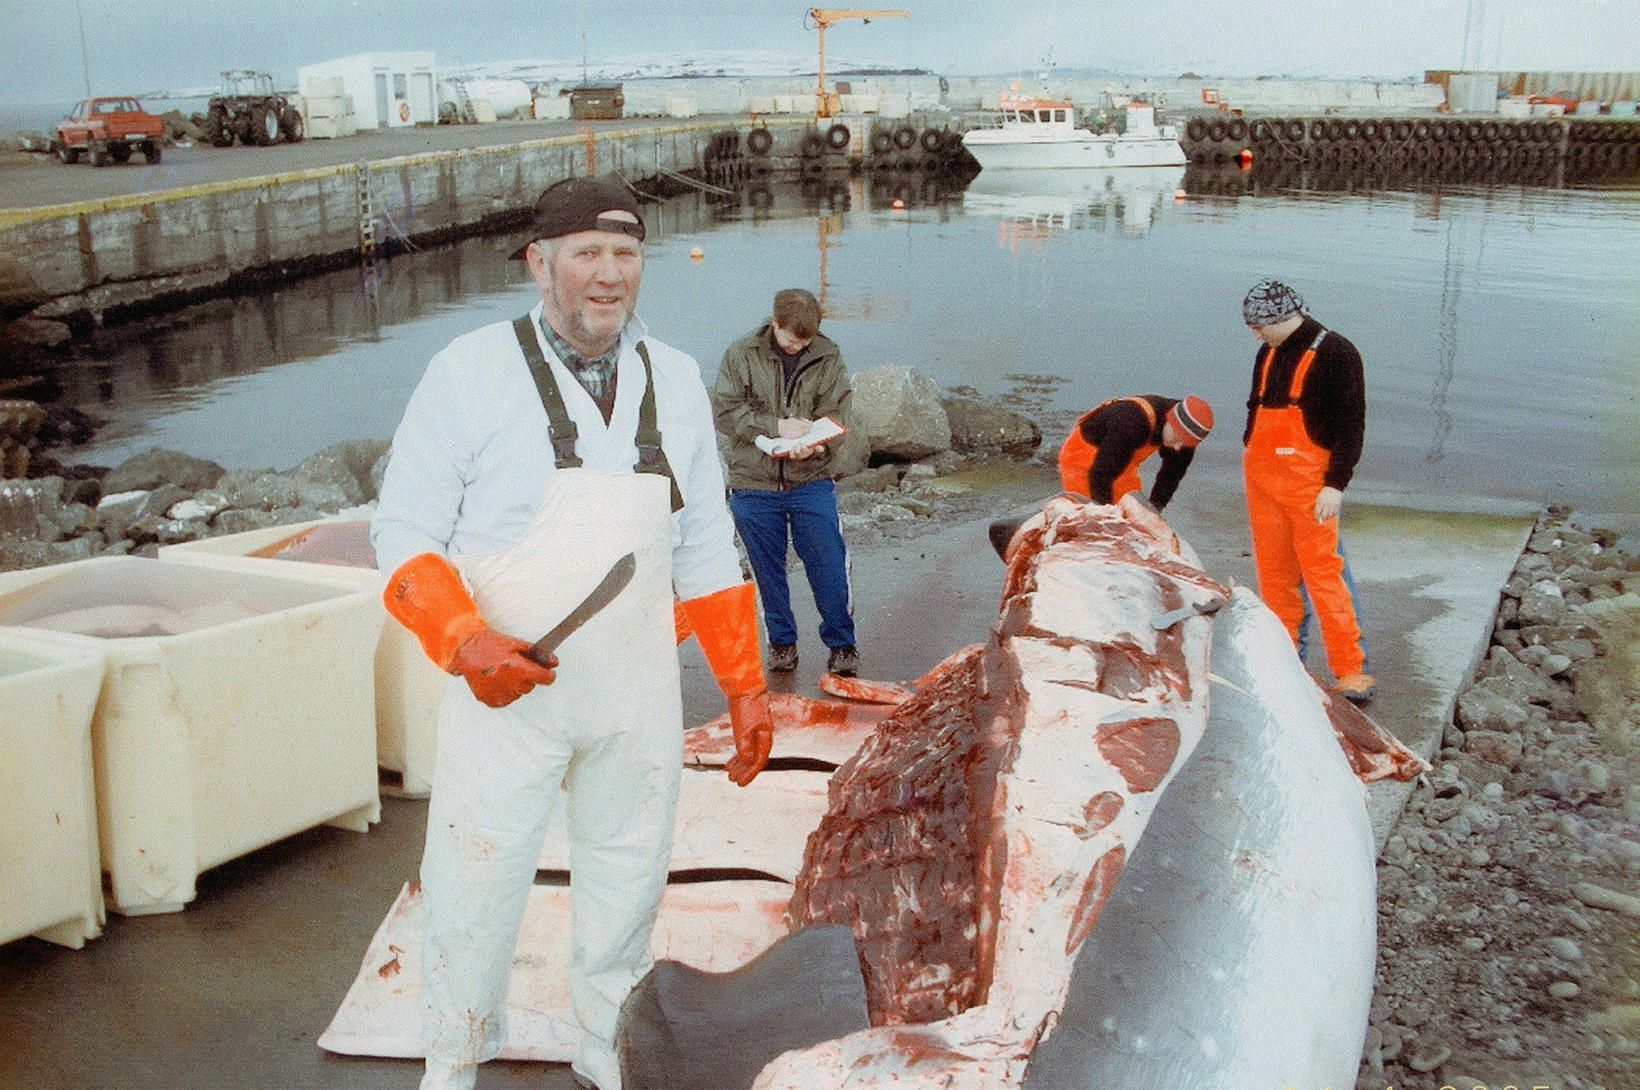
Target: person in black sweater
1306 418
1100 458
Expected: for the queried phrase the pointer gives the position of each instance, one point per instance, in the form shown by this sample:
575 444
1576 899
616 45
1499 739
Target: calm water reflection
1500 326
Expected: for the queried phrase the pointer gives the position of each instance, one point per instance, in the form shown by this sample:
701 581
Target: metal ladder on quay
369 270
464 102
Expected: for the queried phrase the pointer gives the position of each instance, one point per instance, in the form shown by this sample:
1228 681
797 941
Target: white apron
609 729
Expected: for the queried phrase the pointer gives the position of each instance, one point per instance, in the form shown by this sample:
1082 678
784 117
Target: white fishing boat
1039 133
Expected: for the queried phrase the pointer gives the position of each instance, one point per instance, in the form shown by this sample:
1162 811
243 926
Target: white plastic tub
236 710
408 686
50 879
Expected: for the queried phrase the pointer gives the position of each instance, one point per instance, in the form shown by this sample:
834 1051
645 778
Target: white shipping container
236 710
785 104
681 107
1473 92
323 86
330 106
329 128
895 105
761 104
50 877
552 107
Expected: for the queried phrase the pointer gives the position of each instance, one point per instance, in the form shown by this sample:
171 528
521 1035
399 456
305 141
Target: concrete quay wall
102 256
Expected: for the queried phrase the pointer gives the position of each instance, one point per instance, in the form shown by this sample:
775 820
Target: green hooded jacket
748 400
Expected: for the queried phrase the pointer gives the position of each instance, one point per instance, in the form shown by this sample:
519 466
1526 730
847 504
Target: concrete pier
98 255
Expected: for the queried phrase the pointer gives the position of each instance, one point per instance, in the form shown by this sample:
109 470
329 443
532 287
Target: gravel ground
1508 932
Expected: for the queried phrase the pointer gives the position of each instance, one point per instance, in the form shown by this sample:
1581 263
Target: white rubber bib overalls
609 729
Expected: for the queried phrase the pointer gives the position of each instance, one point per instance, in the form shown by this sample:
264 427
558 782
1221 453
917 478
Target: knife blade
1174 616
613 582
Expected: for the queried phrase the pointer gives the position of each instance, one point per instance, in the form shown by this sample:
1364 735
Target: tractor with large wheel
248 109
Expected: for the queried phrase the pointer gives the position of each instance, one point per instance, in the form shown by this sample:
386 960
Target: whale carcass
973 840
987 833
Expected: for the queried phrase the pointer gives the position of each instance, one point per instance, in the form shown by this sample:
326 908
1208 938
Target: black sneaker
783 657
843 661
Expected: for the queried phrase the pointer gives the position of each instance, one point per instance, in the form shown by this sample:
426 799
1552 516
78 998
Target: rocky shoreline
1508 937
51 513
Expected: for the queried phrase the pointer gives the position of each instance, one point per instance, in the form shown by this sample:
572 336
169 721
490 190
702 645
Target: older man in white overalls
533 457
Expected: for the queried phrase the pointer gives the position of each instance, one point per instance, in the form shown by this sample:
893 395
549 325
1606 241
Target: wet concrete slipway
233 991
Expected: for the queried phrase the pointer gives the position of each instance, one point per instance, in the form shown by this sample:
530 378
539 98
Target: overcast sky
142 45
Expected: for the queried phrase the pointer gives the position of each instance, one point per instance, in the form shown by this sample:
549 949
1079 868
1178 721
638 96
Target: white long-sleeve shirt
473 455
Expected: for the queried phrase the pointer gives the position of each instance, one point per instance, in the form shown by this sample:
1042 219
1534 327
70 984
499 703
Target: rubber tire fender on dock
882 141
813 144
905 138
1236 128
1318 129
1196 129
932 141
759 141
838 136
1215 130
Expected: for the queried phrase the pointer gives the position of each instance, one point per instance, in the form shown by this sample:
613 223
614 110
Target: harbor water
1500 326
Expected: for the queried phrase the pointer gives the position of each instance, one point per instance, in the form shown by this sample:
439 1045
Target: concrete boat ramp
234 991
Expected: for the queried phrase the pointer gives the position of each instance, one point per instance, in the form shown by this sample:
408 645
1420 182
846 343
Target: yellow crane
821 18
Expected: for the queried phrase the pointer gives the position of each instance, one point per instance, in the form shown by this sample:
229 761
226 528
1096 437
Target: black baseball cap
580 204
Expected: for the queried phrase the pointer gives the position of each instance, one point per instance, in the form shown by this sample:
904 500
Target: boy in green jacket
776 391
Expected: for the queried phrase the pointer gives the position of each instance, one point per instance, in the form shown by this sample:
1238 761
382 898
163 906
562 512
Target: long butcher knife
611 585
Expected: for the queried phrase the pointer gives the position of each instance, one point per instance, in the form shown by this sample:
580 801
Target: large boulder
978 426
257 489
155 467
899 410
345 466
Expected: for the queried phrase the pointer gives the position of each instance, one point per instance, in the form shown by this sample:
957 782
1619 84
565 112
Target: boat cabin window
1059 115
1027 116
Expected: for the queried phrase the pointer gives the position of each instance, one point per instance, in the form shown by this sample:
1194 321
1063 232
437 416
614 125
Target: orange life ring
404 110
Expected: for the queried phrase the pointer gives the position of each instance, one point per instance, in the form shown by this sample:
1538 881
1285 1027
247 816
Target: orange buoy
898 204
1245 158
697 254
1178 194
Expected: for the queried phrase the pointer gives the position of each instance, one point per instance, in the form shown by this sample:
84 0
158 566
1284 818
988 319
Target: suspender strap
1148 409
1302 371
651 458
564 432
1264 359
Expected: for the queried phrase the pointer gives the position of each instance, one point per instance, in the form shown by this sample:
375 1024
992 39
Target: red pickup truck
109 128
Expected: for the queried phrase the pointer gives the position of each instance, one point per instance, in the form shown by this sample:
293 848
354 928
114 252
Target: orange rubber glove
426 596
725 623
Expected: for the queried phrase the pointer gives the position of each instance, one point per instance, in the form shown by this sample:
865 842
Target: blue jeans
808 513
1309 614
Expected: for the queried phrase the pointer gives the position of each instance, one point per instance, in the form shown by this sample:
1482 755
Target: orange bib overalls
1284 470
1077 455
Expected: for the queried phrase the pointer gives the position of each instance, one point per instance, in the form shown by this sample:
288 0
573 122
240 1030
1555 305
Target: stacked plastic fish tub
408 686
235 710
50 880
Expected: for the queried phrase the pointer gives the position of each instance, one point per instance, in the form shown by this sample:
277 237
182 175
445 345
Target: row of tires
883 141
1400 171
1316 130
